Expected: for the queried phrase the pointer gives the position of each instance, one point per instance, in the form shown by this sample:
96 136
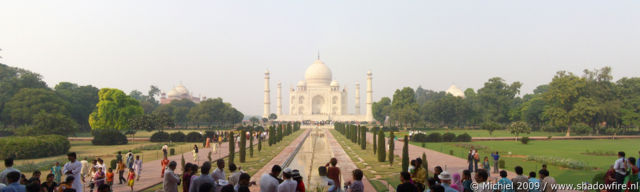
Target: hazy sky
221 48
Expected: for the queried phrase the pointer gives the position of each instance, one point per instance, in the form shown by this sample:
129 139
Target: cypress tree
279 134
375 141
259 141
425 164
382 155
405 154
363 138
391 147
251 142
243 145
232 147
358 134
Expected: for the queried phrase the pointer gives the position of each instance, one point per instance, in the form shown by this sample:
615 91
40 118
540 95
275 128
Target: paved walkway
277 160
451 164
152 170
344 162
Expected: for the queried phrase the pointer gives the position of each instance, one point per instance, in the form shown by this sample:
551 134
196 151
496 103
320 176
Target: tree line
591 103
28 106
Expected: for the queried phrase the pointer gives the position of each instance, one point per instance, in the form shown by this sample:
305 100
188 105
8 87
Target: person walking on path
56 170
164 164
171 180
203 179
333 172
86 167
520 180
120 169
195 153
131 178
470 160
164 150
269 182
496 158
73 168
137 165
8 163
129 160
476 158
99 177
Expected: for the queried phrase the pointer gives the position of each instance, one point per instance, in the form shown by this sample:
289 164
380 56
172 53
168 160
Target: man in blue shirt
496 157
13 179
534 182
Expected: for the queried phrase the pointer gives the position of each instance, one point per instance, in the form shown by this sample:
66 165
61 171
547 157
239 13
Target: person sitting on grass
546 180
50 184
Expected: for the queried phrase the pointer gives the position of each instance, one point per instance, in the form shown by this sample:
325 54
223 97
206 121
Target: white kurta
75 168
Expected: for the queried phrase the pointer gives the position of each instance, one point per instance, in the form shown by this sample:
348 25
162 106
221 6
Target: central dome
318 74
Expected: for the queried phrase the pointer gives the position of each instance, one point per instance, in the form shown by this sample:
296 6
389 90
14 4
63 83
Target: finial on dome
318 54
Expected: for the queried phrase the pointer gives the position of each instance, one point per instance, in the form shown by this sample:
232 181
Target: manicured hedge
159 136
448 137
109 137
437 137
27 147
194 137
177 137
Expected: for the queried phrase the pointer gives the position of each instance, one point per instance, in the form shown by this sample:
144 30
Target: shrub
501 163
208 134
113 163
448 137
172 151
109 137
581 129
562 162
194 137
524 140
465 137
27 147
177 137
450 151
160 136
420 137
434 137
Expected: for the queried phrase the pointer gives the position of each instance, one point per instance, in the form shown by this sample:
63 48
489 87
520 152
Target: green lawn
563 149
144 134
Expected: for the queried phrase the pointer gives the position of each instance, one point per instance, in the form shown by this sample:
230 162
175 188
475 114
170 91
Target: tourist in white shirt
269 182
620 166
218 174
234 176
73 168
288 185
8 163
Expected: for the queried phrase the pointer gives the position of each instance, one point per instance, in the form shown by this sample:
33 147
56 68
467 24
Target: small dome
455 91
301 83
334 83
318 74
178 91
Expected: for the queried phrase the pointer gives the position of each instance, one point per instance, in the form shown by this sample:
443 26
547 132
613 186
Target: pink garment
455 182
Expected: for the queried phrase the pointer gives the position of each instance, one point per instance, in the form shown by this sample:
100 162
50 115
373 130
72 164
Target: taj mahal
318 98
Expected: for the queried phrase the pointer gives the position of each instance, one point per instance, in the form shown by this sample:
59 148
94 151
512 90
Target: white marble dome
455 91
318 74
178 91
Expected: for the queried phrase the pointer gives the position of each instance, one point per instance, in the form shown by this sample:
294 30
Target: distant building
455 91
177 93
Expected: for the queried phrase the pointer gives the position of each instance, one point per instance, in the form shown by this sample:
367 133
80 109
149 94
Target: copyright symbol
474 186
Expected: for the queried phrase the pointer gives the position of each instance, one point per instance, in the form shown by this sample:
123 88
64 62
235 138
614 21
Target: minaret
357 112
369 113
267 99
279 100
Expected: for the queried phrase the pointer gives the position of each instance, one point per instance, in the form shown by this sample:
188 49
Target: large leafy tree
497 98
381 109
628 90
562 98
113 111
215 111
404 108
13 79
82 101
28 102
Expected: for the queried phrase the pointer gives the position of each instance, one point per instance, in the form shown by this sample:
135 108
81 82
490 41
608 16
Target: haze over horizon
222 48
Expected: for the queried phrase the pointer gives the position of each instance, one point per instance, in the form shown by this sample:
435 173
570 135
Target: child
92 174
485 164
99 177
110 177
131 177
